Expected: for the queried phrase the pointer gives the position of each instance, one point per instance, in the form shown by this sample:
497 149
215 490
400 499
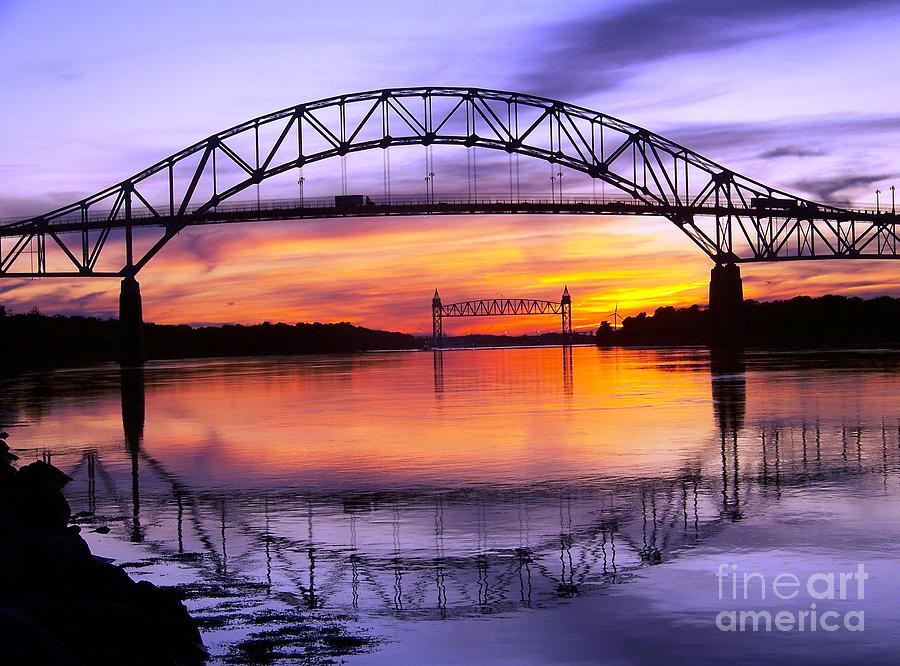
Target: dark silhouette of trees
268 339
34 340
826 320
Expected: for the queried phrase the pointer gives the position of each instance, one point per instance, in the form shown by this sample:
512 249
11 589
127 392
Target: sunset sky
797 94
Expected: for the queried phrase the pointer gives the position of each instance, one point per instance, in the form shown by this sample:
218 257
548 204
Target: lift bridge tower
497 307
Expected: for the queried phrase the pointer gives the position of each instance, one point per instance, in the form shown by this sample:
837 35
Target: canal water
532 505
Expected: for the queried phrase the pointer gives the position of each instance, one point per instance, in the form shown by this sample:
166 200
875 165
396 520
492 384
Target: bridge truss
498 307
730 217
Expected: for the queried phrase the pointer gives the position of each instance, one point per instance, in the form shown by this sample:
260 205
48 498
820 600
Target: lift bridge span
493 307
730 217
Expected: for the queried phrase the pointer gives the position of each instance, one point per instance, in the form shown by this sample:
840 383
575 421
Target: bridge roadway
438 204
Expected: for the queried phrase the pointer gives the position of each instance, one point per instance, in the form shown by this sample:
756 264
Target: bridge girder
751 221
494 307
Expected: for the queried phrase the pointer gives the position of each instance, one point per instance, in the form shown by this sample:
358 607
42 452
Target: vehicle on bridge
352 200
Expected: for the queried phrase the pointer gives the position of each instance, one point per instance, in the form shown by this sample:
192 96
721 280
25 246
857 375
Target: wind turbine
616 317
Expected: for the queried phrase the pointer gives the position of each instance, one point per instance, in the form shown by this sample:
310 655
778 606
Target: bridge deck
325 208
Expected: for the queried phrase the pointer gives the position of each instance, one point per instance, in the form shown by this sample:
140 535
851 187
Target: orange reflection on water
423 419
469 416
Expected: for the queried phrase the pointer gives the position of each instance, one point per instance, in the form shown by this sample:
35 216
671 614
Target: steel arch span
730 217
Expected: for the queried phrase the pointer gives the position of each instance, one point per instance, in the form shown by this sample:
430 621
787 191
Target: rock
44 475
61 605
41 502
5 455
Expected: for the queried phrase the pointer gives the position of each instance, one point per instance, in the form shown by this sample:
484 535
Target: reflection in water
519 552
544 490
565 367
729 398
438 363
133 415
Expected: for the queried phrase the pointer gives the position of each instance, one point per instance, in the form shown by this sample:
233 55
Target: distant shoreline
34 341
801 322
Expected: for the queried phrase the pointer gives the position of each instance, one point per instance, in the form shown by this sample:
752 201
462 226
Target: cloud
599 51
827 189
790 151
710 139
830 144
16 208
60 298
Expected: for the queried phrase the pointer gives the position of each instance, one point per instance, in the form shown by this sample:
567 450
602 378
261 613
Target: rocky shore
59 604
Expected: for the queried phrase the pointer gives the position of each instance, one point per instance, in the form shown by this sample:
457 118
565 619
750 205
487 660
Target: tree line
34 340
822 321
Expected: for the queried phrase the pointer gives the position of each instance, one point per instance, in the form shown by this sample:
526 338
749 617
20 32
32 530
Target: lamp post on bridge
556 183
893 205
877 201
429 187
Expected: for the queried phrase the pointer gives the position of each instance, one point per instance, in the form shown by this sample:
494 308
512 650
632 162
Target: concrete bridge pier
726 306
131 324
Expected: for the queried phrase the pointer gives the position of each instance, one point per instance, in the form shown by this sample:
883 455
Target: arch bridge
730 217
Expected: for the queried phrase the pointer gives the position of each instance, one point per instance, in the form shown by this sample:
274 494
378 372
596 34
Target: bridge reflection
566 370
133 419
428 553
729 398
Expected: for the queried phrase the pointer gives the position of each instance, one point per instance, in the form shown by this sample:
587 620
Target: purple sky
797 94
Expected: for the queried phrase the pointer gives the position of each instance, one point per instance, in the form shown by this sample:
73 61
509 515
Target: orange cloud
382 272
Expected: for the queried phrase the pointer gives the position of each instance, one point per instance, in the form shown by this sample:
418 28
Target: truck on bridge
352 200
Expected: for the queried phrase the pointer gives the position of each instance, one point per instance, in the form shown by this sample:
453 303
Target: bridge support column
437 321
565 304
131 324
726 305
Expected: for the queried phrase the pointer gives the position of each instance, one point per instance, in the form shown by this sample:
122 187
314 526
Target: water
513 506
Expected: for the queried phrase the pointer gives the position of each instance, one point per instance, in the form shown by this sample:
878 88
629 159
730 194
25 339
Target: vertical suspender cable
256 142
475 171
518 183
552 184
469 171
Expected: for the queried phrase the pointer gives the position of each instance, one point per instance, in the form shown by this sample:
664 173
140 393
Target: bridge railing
423 200
313 203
